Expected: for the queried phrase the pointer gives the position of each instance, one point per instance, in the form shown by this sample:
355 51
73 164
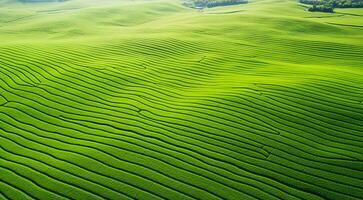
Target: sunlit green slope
152 100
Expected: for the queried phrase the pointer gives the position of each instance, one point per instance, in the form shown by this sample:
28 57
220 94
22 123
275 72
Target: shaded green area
212 3
154 100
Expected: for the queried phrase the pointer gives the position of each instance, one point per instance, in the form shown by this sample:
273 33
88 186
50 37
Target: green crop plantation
152 99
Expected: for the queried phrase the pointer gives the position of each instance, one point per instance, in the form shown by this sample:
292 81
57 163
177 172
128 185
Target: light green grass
153 100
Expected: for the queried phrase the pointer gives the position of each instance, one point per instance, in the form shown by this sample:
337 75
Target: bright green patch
153 100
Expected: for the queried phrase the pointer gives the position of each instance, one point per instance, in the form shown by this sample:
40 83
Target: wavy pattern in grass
214 109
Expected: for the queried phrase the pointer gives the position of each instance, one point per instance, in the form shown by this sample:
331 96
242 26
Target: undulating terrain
148 99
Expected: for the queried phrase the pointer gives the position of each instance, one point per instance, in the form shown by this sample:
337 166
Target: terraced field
153 100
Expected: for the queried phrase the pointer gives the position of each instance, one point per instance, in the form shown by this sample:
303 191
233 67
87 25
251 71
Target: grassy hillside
125 99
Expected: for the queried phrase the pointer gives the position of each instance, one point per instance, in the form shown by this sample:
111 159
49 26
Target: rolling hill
148 99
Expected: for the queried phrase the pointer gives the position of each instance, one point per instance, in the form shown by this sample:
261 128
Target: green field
148 99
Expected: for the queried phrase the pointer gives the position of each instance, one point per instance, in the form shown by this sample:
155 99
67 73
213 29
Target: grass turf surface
153 100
